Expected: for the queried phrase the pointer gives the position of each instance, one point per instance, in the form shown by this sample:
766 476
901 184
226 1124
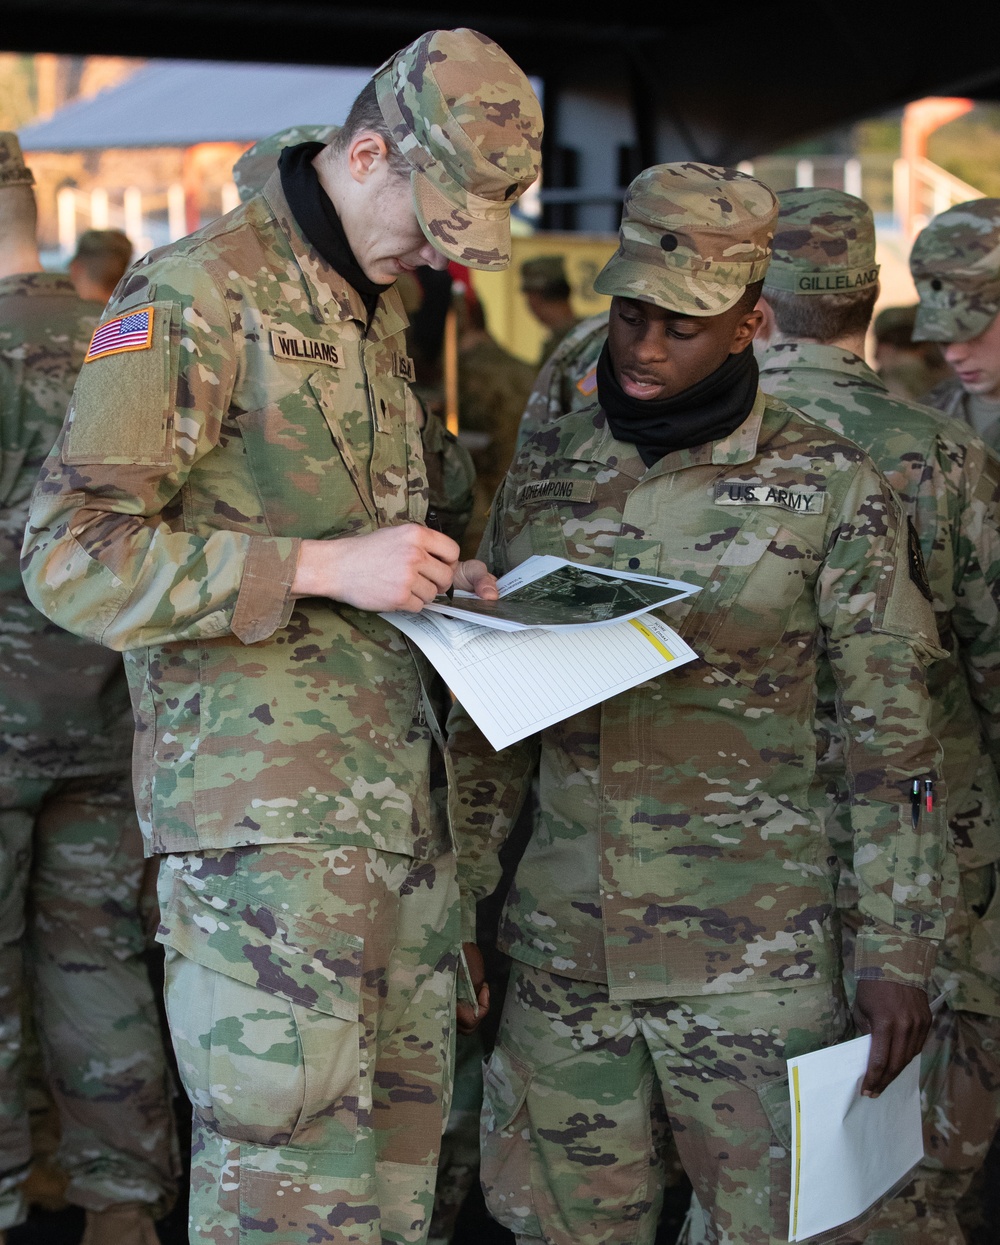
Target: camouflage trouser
311 995
960 1092
458 1169
579 1089
70 875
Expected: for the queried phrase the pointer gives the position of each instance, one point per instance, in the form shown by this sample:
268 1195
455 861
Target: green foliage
969 148
878 136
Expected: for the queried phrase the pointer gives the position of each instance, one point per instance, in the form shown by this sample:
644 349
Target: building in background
153 153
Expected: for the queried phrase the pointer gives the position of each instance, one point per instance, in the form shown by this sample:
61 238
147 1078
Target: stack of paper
533 658
847 1151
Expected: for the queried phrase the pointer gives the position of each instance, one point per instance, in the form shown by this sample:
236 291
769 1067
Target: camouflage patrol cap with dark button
13 170
955 264
824 243
467 121
544 274
258 162
692 238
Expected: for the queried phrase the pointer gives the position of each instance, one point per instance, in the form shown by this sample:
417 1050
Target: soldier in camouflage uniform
673 919
568 382
451 475
546 291
955 264
70 849
239 488
818 297
493 387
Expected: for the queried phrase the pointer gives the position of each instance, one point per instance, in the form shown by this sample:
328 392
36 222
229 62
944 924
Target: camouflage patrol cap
13 170
544 274
692 238
955 264
895 322
824 243
258 162
467 121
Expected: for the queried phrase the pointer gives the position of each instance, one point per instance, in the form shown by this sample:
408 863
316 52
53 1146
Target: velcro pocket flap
123 401
775 1100
505 1087
304 961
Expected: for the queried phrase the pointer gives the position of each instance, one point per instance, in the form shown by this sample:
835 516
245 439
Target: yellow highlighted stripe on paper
797 1107
656 642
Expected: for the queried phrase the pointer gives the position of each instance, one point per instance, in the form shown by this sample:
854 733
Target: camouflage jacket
950 398
493 387
167 522
568 381
676 849
949 485
64 706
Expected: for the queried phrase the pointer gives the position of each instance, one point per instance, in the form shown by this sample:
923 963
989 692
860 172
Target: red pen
929 794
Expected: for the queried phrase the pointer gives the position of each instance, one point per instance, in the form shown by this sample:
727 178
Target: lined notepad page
516 683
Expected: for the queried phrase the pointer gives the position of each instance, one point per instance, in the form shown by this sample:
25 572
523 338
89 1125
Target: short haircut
19 213
750 297
366 114
822 317
104 254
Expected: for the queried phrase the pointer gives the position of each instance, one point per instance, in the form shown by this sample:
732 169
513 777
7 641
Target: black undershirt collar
316 216
708 411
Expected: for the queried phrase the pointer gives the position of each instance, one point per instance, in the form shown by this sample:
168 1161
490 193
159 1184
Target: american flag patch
588 384
130 332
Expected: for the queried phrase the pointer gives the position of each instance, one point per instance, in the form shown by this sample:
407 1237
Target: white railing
148 219
919 189
922 189
842 172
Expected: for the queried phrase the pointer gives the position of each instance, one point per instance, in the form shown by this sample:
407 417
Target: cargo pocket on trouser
506 1145
264 1016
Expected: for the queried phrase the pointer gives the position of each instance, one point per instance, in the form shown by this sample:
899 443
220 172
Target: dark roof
732 80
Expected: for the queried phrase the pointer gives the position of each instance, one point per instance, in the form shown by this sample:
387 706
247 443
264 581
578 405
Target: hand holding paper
847 1150
898 1018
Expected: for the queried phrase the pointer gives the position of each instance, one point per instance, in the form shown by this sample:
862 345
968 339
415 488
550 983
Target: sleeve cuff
468 917
264 603
884 954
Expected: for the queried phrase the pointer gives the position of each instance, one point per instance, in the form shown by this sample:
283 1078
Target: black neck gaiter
708 411
316 216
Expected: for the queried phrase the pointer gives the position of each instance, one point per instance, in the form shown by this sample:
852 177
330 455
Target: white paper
514 683
847 1151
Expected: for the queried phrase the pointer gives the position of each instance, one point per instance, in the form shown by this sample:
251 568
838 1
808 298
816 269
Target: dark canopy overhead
728 80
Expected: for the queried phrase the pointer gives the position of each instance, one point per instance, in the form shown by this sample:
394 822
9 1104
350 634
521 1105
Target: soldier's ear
365 153
768 325
746 329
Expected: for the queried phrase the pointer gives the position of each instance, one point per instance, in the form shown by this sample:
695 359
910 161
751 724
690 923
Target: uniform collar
333 299
34 283
796 356
594 442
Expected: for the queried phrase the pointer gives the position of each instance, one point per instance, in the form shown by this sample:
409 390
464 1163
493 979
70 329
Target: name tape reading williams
301 349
